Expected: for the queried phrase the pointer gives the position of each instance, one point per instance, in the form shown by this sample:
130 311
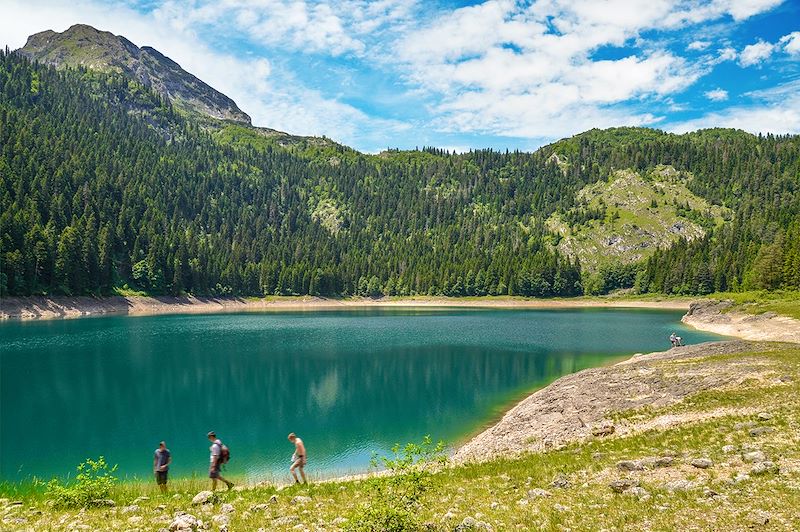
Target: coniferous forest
103 185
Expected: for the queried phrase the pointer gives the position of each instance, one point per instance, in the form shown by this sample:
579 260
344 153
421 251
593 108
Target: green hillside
104 187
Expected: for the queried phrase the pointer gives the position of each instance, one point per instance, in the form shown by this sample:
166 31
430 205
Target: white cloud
754 54
775 110
698 46
717 95
791 43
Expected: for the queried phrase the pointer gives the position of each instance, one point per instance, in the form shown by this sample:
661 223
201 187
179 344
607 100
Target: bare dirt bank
27 308
578 406
717 317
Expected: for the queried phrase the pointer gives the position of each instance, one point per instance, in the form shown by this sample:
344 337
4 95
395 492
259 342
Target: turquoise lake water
348 382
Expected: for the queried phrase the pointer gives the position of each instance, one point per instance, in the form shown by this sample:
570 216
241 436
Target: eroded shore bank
41 308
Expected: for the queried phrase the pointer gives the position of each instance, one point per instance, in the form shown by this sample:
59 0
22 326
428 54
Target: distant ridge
84 45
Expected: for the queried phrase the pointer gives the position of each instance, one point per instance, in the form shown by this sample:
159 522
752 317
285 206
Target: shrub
394 499
91 487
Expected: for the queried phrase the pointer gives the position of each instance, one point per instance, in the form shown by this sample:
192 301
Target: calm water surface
348 382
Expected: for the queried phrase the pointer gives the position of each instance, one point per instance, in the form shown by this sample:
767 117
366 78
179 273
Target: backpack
224 454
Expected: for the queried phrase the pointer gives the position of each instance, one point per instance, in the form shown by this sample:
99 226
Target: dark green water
348 382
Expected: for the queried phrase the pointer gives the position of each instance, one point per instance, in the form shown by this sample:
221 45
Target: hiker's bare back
298 458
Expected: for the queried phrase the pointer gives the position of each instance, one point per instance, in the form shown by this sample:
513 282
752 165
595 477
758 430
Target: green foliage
92 485
395 499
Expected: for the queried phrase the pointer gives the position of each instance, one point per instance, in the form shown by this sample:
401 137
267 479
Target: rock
622 484
758 431
728 449
103 502
638 492
630 465
765 467
741 477
702 463
537 493
744 425
680 485
259 507
300 500
448 516
227 508
598 456
764 416
204 497
664 461
754 456
561 481
274 499
135 519
708 493
560 508
758 517
221 519
494 505
184 523
523 502
133 508
605 429
140 499
468 523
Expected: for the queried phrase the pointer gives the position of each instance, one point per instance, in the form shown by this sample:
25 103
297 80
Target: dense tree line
100 189
758 177
102 185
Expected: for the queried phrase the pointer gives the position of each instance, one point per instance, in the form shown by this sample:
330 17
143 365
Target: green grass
492 491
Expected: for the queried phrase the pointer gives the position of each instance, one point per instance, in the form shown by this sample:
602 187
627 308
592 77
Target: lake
349 382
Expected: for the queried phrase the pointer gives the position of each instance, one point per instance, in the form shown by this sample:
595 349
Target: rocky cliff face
83 45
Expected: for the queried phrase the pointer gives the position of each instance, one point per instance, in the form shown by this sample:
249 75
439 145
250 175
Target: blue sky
461 75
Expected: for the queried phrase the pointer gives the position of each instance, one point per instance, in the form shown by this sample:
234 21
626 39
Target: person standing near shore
219 456
162 458
298 458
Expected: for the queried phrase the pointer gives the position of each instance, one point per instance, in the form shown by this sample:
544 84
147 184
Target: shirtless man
298 458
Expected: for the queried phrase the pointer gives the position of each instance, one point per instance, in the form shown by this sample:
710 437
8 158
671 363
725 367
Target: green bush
91 487
394 499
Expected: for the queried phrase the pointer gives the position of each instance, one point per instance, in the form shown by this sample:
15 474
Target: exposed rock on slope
83 45
631 215
717 317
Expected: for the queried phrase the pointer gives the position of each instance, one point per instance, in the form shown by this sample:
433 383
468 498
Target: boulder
664 461
753 457
538 493
764 416
680 485
300 499
622 484
728 449
227 508
759 431
630 465
184 523
702 463
765 467
204 497
758 517
638 492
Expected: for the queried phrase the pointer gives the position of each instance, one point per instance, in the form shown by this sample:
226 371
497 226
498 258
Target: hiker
298 458
162 458
219 456
678 341
673 340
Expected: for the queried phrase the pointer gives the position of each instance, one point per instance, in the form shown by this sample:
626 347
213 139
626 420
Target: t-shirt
162 459
216 450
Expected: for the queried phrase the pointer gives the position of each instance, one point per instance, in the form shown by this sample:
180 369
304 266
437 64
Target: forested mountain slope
94 196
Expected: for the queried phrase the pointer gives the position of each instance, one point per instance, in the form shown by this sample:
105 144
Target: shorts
215 472
300 462
161 477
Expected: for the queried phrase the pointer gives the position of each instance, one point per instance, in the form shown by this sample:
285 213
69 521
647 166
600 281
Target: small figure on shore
298 458
675 340
219 456
162 458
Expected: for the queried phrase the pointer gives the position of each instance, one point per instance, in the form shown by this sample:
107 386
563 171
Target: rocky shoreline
578 406
42 308
717 317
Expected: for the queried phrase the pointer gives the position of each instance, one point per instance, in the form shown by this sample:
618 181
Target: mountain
85 46
95 198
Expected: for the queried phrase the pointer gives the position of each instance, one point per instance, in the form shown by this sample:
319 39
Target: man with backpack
220 454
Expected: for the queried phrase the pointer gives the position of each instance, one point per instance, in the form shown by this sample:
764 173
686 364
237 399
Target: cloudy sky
460 75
